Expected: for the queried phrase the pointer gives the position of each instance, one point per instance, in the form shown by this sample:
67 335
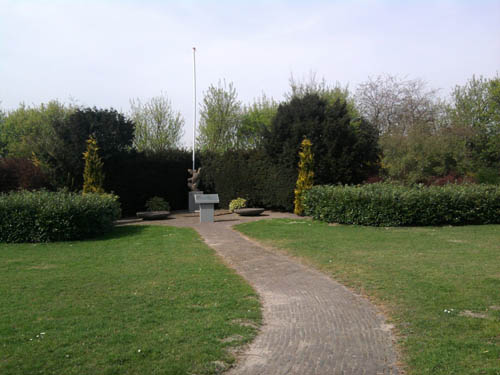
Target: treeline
386 129
423 137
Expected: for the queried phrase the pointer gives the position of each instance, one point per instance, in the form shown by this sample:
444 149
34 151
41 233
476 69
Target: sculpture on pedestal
194 180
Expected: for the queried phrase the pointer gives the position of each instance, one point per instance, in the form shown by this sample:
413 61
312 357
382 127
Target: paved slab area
312 324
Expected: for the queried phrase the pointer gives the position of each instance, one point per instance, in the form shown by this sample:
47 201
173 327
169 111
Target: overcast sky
103 53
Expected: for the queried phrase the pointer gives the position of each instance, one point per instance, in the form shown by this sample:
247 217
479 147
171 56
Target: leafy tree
330 93
255 118
471 103
93 175
30 130
342 155
157 126
29 133
475 112
112 131
306 176
3 143
220 118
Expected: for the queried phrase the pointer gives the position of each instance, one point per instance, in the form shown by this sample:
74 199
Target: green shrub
488 176
393 205
43 216
157 204
237 203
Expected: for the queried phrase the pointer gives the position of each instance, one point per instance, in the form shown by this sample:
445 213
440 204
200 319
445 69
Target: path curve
312 324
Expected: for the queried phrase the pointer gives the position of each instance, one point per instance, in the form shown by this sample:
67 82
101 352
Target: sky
104 53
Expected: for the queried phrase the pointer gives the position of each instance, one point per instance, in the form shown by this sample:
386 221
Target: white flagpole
194 104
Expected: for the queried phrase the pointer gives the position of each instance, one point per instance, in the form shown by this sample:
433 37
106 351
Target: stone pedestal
206 202
206 212
192 205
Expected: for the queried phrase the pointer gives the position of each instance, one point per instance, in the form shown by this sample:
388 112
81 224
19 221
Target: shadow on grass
120 232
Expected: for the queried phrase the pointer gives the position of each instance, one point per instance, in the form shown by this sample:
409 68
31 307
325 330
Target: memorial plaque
206 198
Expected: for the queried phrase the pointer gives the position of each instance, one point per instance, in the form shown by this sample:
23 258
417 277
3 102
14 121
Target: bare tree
396 105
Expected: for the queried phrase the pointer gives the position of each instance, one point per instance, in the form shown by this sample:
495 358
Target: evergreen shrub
157 204
305 180
383 204
345 148
93 175
43 216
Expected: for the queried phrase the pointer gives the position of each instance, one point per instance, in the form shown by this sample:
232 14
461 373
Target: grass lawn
142 300
439 286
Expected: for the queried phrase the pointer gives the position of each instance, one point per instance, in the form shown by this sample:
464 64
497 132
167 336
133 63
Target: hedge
134 177
383 204
248 174
43 216
137 177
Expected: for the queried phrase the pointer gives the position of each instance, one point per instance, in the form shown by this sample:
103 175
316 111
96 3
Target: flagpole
194 105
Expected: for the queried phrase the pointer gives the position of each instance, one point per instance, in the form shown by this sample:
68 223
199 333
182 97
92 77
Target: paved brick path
312 324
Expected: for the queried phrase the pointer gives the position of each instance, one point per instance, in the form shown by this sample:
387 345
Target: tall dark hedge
345 149
248 174
136 177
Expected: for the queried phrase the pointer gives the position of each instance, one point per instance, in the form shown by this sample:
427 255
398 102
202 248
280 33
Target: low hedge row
385 204
43 216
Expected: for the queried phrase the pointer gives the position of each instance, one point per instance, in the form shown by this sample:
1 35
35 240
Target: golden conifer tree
93 175
306 175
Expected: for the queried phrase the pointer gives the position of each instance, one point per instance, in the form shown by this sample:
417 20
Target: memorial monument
193 183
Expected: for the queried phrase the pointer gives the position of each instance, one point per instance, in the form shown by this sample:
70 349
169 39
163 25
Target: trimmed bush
250 175
43 216
384 204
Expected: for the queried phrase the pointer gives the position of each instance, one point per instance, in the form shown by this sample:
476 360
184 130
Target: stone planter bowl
153 215
249 211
